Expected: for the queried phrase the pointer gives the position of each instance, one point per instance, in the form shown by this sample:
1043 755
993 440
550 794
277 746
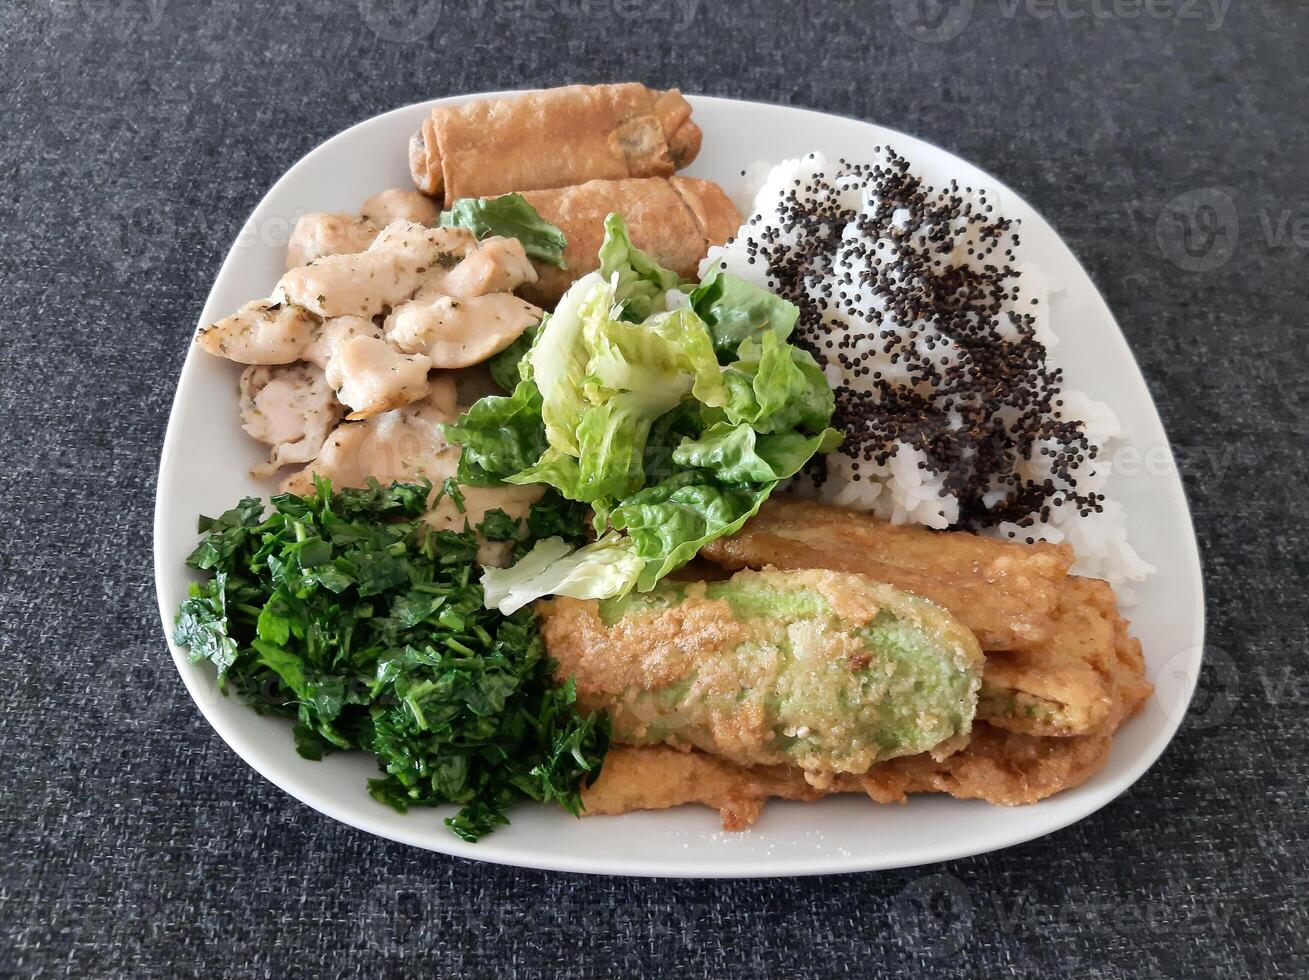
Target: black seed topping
972 388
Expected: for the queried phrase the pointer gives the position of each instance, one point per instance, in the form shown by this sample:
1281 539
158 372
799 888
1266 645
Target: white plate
206 455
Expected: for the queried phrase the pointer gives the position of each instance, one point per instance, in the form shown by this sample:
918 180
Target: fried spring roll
552 138
1087 679
674 219
1004 768
1006 593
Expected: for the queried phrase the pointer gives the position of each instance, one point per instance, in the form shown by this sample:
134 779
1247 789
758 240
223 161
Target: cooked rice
927 468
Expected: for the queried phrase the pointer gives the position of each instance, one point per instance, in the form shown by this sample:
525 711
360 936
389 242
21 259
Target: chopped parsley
347 613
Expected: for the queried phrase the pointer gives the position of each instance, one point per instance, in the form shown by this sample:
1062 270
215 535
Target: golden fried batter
1005 592
1061 674
1059 659
1005 768
1086 679
824 671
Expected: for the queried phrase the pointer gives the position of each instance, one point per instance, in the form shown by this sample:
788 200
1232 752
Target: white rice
901 490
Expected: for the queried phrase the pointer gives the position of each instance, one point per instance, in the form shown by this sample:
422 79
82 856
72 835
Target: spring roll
1004 768
674 219
552 138
1005 592
823 671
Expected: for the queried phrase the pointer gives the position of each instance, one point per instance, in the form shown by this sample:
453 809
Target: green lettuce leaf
668 523
560 357
738 454
507 366
736 310
672 421
603 384
606 567
668 432
500 434
774 387
555 469
511 216
642 283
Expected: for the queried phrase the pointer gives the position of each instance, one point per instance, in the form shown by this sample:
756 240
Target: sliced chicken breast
370 376
497 265
332 335
263 331
404 444
401 259
456 333
320 234
328 233
399 204
290 408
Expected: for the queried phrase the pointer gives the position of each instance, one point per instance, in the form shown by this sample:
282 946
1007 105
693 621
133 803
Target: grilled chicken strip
456 333
291 408
328 233
333 334
338 232
371 376
263 331
497 265
400 259
401 445
404 445
399 204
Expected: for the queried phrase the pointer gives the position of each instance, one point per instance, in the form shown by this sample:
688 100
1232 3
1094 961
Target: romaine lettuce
511 216
501 435
738 454
775 387
641 282
506 367
673 420
670 522
736 310
559 358
604 382
602 568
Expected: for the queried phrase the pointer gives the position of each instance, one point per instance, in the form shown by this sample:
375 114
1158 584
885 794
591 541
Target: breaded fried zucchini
825 671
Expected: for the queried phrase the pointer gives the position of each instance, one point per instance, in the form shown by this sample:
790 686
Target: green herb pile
347 613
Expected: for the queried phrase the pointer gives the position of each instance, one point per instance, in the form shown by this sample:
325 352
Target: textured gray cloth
139 134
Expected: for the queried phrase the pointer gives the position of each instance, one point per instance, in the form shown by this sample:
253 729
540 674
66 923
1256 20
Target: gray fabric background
138 134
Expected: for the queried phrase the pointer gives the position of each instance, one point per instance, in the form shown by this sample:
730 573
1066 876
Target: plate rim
610 865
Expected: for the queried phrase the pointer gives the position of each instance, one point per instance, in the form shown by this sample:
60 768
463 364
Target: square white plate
206 456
